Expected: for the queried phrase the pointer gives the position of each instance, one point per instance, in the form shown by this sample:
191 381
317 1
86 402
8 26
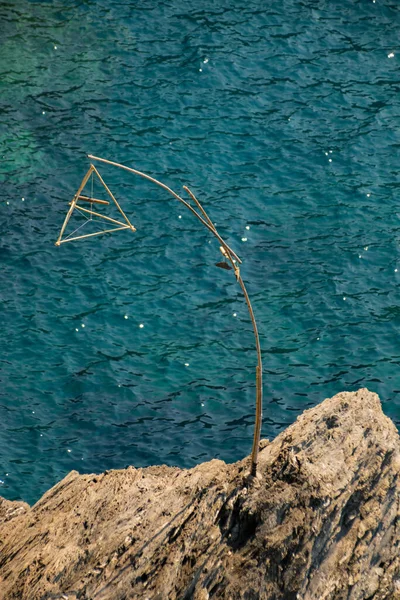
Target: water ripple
282 120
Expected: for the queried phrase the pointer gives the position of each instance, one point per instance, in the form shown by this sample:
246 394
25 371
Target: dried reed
227 252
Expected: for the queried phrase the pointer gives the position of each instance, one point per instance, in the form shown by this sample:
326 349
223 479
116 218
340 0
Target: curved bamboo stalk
259 395
88 235
168 189
233 258
105 217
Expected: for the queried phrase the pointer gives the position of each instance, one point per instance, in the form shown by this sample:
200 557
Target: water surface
284 120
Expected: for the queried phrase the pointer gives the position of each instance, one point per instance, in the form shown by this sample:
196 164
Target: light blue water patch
284 120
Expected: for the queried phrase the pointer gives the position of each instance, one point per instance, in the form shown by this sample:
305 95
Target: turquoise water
282 117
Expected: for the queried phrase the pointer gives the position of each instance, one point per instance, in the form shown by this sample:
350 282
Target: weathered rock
321 522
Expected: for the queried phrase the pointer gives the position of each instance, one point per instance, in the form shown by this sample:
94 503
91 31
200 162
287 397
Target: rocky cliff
320 522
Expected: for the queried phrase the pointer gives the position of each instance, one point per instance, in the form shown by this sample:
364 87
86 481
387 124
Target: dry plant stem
96 214
73 203
215 232
87 235
258 420
228 252
168 189
193 197
259 384
115 200
92 200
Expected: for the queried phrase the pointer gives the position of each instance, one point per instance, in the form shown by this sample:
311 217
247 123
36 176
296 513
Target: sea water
134 348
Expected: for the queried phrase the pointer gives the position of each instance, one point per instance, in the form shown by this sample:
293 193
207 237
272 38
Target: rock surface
320 522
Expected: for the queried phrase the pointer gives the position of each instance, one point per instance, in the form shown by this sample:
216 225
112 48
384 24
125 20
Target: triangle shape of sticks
80 199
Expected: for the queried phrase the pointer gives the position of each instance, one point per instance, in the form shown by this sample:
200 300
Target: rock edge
321 522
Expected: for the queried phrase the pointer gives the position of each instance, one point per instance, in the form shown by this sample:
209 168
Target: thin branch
81 237
226 251
73 203
193 197
92 200
225 245
96 214
113 197
168 189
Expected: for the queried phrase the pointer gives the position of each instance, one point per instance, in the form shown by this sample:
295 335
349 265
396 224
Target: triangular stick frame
123 224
